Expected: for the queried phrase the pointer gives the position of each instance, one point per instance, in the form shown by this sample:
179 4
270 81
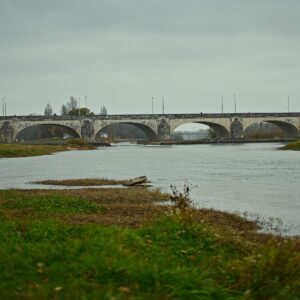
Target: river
256 178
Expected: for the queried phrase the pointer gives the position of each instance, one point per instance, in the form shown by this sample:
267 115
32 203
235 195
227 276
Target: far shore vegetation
111 243
292 146
24 150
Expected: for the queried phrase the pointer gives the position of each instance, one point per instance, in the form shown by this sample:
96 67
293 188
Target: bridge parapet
156 126
156 116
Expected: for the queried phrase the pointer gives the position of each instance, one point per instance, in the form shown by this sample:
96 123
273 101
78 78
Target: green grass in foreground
174 257
17 150
292 146
48 205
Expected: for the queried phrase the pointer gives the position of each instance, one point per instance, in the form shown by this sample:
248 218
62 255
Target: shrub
77 141
181 201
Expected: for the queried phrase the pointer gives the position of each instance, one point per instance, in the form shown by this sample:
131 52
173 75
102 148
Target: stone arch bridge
157 127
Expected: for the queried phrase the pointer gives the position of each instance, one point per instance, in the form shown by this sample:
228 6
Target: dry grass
82 182
126 207
133 207
134 195
17 150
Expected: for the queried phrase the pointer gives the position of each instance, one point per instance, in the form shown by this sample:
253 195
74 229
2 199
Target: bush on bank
19 150
292 146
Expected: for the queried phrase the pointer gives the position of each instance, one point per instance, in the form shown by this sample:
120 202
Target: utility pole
79 106
289 98
163 104
4 113
2 106
152 109
85 105
222 105
234 98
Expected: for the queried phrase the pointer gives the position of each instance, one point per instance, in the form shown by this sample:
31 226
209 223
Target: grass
46 254
292 146
49 204
82 182
18 150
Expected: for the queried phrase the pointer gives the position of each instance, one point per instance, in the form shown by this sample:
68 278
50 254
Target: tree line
72 108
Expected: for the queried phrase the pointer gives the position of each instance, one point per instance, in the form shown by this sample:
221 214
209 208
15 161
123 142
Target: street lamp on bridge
222 104
79 107
234 98
152 107
4 106
163 104
86 106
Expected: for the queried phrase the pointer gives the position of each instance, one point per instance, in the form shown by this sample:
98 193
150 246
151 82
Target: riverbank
20 150
292 146
223 141
119 244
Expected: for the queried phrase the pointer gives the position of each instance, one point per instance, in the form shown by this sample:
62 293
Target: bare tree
73 103
48 110
64 110
103 111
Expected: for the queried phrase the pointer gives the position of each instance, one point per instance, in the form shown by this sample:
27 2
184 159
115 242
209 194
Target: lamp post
222 105
4 106
79 107
234 98
85 105
152 108
288 107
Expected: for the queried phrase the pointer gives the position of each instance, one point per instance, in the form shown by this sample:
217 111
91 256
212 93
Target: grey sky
120 53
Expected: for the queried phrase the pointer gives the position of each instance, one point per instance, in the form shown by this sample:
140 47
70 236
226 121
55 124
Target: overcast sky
120 53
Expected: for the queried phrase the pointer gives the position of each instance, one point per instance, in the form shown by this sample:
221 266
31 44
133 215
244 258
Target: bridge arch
288 129
149 132
58 130
220 130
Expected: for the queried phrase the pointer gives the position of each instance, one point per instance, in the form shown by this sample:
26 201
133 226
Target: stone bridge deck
149 116
156 126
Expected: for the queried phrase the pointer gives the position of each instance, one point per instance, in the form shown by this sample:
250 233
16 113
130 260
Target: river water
256 178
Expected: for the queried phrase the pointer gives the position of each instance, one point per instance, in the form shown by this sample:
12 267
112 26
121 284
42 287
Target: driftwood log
136 181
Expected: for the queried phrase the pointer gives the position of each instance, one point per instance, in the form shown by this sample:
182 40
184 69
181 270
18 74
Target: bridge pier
236 129
87 130
7 132
163 129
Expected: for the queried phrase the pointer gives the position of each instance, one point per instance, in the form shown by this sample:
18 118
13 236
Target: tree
48 110
72 104
72 108
80 112
103 111
64 110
